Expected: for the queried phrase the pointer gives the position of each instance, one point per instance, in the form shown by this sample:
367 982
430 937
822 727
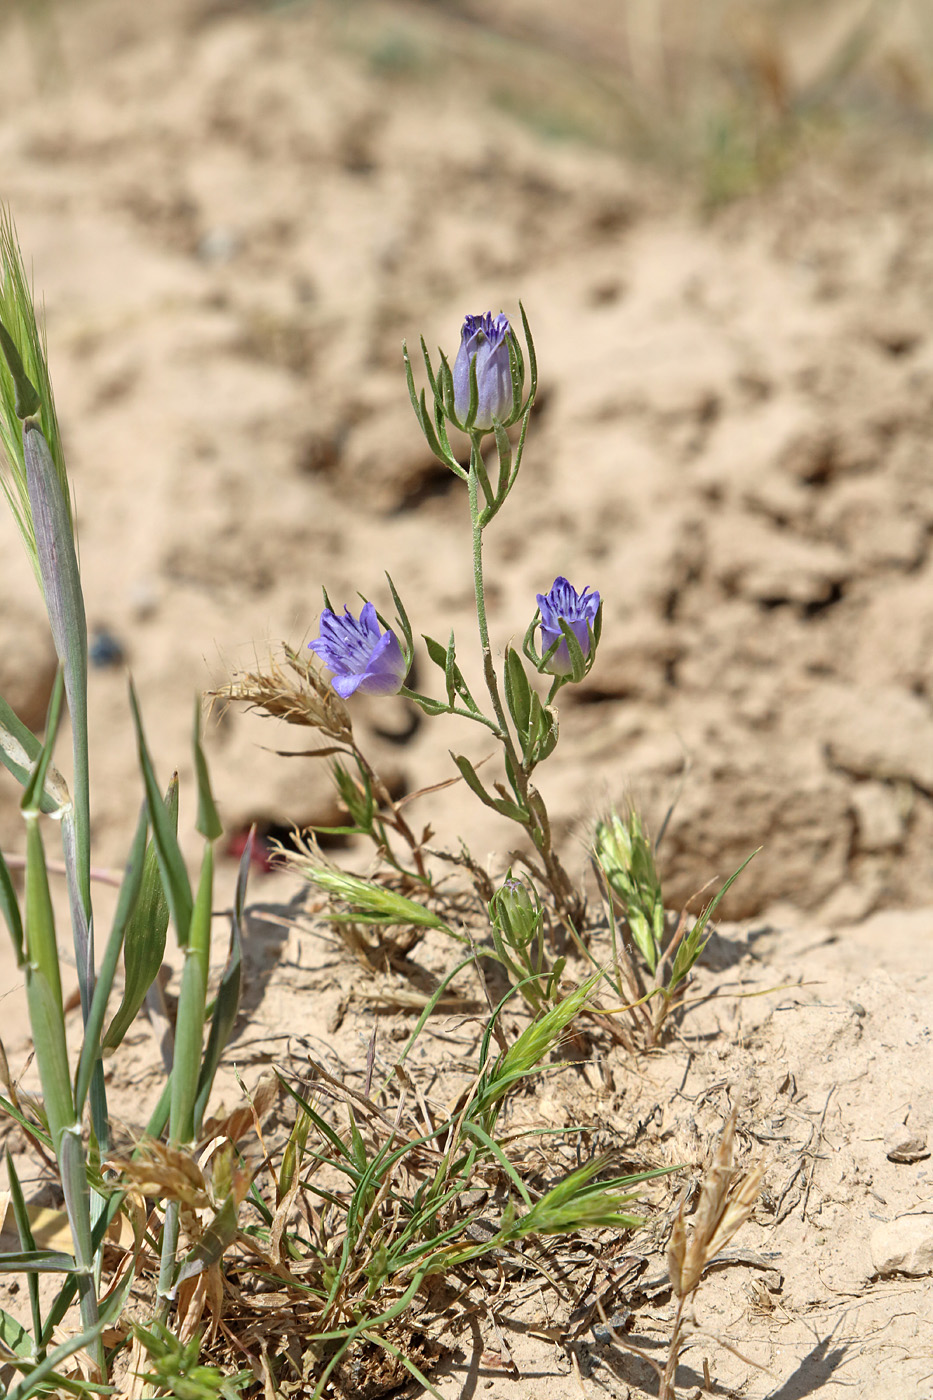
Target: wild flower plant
481 396
193 1204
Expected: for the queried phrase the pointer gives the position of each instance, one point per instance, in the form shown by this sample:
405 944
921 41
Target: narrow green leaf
227 1002
39 1261
498 804
577 659
144 943
518 694
171 862
192 1001
35 1382
73 1169
19 749
27 1243
402 616
691 948
208 822
14 1336
451 669
436 652
64 601
322 1126
445 659
532 359
17 311
9 908
30 1128
126 904
470 777
504 453
46 1020
29 803
429 368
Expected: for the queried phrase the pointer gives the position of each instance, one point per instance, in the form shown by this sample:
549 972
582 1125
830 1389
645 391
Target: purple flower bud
578 610
485 340
361 656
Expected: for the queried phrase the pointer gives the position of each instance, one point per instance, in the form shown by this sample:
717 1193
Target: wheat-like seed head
311 701
726 1202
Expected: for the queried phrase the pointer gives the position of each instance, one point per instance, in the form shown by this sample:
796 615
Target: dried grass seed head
726 1202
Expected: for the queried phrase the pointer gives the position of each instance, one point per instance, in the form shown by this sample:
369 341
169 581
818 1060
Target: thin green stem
568 902
479 592
489 724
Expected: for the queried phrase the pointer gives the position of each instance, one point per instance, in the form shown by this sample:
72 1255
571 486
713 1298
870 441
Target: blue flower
564 604
484 339
361 656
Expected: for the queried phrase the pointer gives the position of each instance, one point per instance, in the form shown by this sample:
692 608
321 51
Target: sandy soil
235 216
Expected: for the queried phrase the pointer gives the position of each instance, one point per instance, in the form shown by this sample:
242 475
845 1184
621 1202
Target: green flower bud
625 855
516 912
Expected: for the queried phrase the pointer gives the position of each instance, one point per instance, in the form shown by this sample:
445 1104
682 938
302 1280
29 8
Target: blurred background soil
719 218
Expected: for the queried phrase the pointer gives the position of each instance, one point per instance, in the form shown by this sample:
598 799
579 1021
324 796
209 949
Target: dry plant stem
726 1202
568 902
58 867
395 820
667 1391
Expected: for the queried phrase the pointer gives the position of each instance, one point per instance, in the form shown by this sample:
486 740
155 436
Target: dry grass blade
726 1202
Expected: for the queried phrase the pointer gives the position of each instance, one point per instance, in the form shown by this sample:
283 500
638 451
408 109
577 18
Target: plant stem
667 1391
396 821
568 902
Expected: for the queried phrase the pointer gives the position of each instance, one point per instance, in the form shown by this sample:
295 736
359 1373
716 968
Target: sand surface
235 216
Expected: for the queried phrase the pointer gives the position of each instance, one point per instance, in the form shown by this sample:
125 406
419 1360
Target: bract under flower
578 610
361 656
485 340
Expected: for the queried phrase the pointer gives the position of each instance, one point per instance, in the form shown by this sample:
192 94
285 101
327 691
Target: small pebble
903 1246
905 1144
218 245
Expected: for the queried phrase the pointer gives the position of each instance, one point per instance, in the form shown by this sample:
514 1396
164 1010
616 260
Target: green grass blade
208 822
192 999
144 942
227 1002
409 1365
36 1382
19 749
31 1129
323 1127
29 803
73 1169
27 1243
64 601
17 312
9 908
171 862
14 1336
40 1261
44 990
129 895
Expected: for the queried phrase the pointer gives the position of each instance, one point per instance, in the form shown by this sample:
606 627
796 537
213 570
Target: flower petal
386 671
